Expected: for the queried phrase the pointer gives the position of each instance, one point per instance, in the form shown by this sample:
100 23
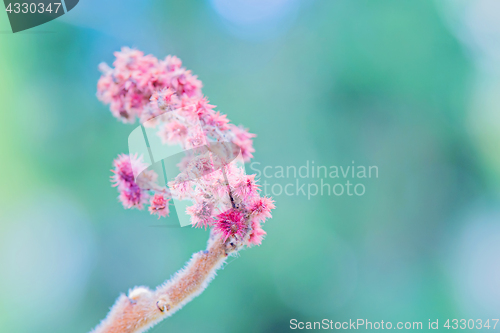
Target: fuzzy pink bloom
123 172
257 234
173 132
125 167
199 166
133 196
182 186
141 86
166 97
218 184
159 205
196 139
216 120
203 107
243 139
217 180
186 83
161 102
261 208
172 63
135 77
201 214
230 223
246 187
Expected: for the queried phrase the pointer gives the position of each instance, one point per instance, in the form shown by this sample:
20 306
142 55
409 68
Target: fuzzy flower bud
159 205
230 223
261 208
131 195
257 234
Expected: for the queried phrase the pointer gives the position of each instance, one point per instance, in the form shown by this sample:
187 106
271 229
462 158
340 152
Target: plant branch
144 308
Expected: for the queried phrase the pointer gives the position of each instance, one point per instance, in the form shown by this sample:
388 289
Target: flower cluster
164 95
129 86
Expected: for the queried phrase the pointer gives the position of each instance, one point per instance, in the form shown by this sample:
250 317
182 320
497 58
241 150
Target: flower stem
144 308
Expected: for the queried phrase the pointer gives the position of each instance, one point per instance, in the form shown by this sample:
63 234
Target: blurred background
409 86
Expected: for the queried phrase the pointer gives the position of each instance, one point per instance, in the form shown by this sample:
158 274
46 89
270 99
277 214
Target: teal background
408 86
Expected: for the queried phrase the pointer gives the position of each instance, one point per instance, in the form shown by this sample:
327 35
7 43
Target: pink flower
166 96
243 139
246 187
135 77
126 167
159 205
217 180
132 196
257 234
123 171
218 184
261 209
216 120
186 83
201 214
172 63
231 223
173 132
181 186
199 166
202 106
127 57
196 139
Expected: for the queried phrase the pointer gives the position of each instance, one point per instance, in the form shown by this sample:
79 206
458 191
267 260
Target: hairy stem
144 308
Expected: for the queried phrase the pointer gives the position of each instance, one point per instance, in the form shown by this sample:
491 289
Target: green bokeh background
393 84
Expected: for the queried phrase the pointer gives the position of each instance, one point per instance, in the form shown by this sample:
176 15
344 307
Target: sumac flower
131 194
261 208
246 187
243 140
159 205
231 223
167 98
173 132
257 233
201 214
